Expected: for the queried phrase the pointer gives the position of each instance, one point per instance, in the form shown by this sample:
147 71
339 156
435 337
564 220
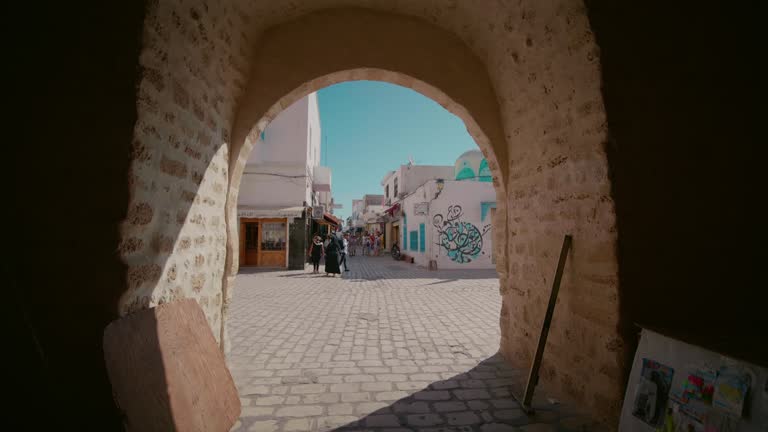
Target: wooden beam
533 377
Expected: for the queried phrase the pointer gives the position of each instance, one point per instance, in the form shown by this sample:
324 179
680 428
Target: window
395 187
386 192
422 238
414 240
273 236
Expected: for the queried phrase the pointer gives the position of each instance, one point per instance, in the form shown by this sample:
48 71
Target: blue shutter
405 234
422 237
414 240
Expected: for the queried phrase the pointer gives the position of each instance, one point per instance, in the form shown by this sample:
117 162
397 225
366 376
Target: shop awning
391 211
328 219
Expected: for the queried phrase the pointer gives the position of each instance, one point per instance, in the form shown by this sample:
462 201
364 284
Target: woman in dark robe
332 253
316 252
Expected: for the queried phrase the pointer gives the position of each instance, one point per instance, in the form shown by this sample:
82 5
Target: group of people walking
335 251
369 244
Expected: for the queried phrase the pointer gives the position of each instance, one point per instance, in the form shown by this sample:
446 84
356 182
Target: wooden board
167 371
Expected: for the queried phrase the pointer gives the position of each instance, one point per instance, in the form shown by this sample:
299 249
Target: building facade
285 195
400 183
446 222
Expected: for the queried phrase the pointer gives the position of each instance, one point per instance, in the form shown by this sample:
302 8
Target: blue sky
371 127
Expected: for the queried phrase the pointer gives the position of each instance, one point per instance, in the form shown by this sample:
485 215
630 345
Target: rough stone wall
558 184
543 64
194 65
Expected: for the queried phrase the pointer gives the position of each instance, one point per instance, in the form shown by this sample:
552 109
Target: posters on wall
709 392
707 400
652 392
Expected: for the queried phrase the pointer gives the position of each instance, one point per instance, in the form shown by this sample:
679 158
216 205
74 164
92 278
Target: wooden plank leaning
533 377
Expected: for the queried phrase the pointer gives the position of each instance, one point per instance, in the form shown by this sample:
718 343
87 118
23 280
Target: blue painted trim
422 237
414 240
485 207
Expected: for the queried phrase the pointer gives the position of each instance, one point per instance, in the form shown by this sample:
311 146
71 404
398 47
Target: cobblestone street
389 346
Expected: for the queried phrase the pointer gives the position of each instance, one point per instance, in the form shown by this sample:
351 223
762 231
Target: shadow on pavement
477 400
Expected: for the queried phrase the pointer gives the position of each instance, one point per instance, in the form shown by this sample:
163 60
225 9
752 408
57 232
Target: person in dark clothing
316 251
332 254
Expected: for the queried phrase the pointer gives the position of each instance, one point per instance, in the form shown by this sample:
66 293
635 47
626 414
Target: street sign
421 208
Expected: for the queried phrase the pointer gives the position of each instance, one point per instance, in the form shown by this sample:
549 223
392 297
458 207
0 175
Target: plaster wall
457 232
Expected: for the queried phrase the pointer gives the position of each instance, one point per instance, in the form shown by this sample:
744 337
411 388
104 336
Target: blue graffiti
462 241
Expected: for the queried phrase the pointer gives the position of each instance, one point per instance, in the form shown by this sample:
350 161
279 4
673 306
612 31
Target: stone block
167 371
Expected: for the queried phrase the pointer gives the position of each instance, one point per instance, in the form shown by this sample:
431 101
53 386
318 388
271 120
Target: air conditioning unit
318 212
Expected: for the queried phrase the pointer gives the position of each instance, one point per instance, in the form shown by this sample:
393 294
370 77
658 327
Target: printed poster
652 393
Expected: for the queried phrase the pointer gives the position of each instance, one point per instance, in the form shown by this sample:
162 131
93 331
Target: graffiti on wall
462 241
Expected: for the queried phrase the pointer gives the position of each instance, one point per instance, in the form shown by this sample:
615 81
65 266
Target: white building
282 182
356 218
447 223
401 183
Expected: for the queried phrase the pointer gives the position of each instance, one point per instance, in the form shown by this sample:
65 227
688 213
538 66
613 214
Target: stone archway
526 82
303 56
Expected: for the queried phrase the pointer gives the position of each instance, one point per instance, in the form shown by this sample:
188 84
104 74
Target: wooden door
273 242
251 243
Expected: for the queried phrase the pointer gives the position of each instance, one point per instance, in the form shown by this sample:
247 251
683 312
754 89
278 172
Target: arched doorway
540 141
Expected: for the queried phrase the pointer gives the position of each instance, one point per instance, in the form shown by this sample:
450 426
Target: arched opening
367 348
535 154
140 120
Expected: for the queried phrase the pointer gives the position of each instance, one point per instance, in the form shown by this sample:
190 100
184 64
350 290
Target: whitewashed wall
280 167
469 196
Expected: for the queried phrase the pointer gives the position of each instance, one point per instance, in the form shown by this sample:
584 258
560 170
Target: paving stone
424 420
263 426
340 409
385 420
332 422
450 406
308 388
256 411
392 377
299 411
462 418
376 386
366 408
470 394
432 395
510 414
297 425
359 378
345 388
321 398
269 400
445 385
355 397
412 385
431 377
410 407
478 405
390 396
